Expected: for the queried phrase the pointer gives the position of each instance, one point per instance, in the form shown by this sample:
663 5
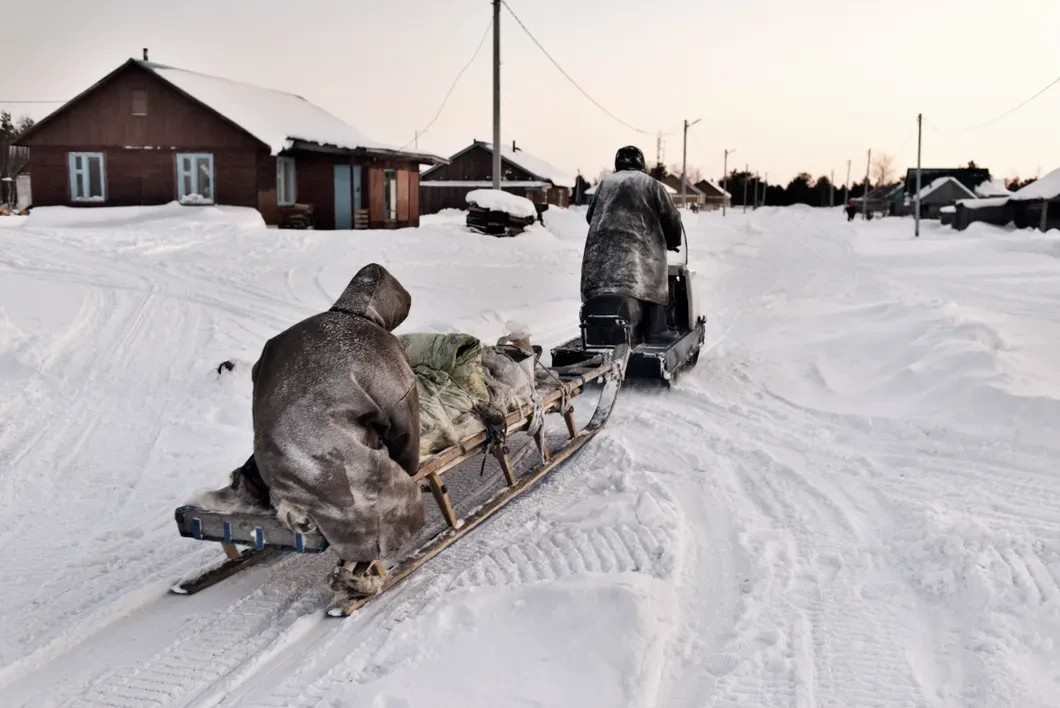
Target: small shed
1038 204
714 197
944 191
524 175
991 210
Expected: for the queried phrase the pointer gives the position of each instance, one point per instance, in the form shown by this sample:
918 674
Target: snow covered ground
852 501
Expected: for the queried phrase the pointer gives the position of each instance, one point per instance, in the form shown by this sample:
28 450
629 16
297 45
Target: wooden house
150 134
1038 204
446 186
714 197
693 195
943 192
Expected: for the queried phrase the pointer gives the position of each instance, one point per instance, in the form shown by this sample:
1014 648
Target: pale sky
822 81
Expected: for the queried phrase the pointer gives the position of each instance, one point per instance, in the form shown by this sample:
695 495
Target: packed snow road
851 501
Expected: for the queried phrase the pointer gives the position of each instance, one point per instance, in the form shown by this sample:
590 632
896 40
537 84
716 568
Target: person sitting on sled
337 428
632 224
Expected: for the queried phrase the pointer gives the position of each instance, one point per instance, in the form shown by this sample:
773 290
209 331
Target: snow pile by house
995 188
1048 187
982 203
274 117
499 200
178 215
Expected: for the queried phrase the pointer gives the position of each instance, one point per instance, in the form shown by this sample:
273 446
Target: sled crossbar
264 534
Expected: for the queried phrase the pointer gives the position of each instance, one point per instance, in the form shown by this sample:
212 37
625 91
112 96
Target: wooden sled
267 538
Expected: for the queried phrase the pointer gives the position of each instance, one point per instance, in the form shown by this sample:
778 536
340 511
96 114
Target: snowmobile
660 359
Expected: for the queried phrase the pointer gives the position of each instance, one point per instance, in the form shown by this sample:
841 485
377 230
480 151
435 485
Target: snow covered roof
669 189
715 185
524 161
1047 187
985 202
484 183
940 182
948 210
276 118
592 190
995 188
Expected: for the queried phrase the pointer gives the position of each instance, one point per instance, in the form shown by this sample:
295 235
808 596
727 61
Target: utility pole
725 180
659 149
684 160
865 197
417 140
846 186
919 130
746 172
496 94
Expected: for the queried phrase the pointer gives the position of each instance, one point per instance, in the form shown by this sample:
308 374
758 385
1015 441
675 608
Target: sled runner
265 536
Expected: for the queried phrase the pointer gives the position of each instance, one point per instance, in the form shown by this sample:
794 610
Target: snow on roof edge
276 118
1048 187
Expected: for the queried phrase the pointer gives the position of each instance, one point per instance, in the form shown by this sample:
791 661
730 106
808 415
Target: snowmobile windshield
377 296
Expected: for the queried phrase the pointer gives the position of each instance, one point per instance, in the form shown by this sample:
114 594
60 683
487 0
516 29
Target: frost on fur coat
336 420
632 224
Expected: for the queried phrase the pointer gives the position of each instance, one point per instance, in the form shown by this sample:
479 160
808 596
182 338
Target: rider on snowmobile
632 224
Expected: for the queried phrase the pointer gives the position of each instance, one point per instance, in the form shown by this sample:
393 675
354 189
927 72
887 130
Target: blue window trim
195 157
281 198
85 156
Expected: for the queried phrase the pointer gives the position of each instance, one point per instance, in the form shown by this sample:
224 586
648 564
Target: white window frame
79 177
195 157
282 198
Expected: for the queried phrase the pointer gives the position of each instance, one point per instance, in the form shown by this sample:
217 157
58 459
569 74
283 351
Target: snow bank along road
852 501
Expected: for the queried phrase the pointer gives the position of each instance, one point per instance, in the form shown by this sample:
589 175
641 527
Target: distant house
886 200
693 195
446 186
970 177
1038 204
943 192
150 134
714 197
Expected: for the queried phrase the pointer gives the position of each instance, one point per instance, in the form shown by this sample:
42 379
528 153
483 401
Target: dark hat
629 158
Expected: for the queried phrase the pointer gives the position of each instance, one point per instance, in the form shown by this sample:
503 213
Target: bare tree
883 170
694 173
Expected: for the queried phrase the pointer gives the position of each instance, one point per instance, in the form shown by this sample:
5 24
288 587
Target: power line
445 100
1007 113
568 76
23 102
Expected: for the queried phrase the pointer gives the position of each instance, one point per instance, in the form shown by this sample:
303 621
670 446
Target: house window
286 186
139 103
195 178
87 177
390 194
